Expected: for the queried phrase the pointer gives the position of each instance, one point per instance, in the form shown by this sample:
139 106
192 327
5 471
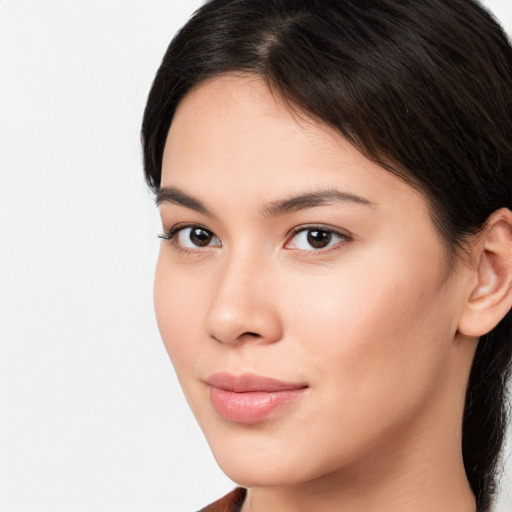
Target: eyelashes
308 239
314 238
191 237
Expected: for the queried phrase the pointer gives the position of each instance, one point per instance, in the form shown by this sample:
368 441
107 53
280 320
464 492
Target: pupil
319 239
200 237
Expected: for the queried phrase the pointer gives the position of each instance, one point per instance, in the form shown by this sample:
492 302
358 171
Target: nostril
253 334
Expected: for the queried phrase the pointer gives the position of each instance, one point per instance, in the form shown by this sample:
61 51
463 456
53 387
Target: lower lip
251 406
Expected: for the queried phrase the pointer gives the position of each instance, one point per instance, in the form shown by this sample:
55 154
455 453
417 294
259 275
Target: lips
250 398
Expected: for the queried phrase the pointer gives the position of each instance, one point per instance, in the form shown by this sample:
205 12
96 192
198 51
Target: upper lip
250 382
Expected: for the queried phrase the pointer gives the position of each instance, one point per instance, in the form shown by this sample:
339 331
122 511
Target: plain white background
91 415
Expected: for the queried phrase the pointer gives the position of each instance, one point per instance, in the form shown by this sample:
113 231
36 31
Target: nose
244 305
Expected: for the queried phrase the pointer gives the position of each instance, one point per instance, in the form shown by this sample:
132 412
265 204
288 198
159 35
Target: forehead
233 142
234 129
244 109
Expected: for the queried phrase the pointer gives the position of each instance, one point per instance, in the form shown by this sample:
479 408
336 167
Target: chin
249 473
261 459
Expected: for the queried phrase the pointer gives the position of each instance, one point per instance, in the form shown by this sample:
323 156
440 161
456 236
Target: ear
490 294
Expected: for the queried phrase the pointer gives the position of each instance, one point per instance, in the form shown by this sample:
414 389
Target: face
301 291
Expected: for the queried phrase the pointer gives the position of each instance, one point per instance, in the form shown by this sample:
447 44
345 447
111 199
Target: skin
369 323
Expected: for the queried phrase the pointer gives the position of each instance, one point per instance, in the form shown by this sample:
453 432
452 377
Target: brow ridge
312 200
175 196
274 208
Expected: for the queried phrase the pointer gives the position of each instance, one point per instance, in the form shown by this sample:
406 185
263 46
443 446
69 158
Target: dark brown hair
422 87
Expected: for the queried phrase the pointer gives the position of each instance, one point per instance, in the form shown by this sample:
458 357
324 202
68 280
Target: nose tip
242 309
256 323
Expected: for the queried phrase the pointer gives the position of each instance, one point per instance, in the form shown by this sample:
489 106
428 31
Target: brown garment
232 502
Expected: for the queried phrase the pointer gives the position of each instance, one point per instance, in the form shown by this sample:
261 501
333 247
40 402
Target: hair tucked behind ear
486 411
422 87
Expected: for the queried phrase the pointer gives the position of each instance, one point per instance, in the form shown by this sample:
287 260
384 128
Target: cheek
374 326
179 312
376 347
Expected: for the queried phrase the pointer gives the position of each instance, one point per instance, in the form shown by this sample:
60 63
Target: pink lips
250 398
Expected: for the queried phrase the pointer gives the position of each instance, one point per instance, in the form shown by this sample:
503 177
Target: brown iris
200 237
318 238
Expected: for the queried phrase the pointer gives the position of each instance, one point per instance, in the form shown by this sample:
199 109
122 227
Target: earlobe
490 299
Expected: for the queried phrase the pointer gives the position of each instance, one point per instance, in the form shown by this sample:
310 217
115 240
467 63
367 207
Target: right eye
191 237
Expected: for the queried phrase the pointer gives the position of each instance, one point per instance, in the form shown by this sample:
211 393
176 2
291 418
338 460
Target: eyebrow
312 200
273 209
176 196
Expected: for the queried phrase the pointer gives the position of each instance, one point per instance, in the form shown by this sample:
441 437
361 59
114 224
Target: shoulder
232 502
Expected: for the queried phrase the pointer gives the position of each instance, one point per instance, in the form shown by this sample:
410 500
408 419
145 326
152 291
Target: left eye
309 239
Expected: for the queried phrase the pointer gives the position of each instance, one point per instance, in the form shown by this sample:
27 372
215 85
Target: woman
335 279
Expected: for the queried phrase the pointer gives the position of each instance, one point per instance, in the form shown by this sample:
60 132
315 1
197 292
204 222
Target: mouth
251 398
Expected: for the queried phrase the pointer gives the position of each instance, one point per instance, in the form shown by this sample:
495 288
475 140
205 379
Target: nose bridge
243 305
